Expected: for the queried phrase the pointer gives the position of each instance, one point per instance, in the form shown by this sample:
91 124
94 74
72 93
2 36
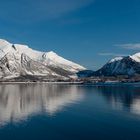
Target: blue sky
89 32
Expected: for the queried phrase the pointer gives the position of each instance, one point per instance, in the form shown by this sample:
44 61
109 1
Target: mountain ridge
17 60
118 66
127 65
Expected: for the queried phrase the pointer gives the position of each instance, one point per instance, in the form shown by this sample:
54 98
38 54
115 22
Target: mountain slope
52 59
129 65
17 60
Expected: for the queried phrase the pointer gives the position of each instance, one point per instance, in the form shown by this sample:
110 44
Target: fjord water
69 112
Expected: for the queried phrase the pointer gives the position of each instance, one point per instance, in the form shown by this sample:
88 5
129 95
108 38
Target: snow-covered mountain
129 65
17 60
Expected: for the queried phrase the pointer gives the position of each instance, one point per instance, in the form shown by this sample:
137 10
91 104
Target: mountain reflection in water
125 98
18 101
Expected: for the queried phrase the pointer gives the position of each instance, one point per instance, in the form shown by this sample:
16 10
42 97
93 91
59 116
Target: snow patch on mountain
136 57
115 59
52 59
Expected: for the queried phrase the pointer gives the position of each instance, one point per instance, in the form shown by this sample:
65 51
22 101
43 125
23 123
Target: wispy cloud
130 46
70 21
57 8
111 54
34 10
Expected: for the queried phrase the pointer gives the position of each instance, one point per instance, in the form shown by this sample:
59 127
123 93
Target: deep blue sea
69 112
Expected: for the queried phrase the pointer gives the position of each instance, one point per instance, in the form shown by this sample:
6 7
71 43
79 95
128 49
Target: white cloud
111 54
130 46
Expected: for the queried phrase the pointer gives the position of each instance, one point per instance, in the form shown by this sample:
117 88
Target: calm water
69 112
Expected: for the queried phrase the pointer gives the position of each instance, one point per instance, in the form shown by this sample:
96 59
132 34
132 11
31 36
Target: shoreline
41 82
75 83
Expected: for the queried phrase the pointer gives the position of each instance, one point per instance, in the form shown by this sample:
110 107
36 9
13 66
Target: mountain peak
52 53
116 59
128 65
4 42
136 57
